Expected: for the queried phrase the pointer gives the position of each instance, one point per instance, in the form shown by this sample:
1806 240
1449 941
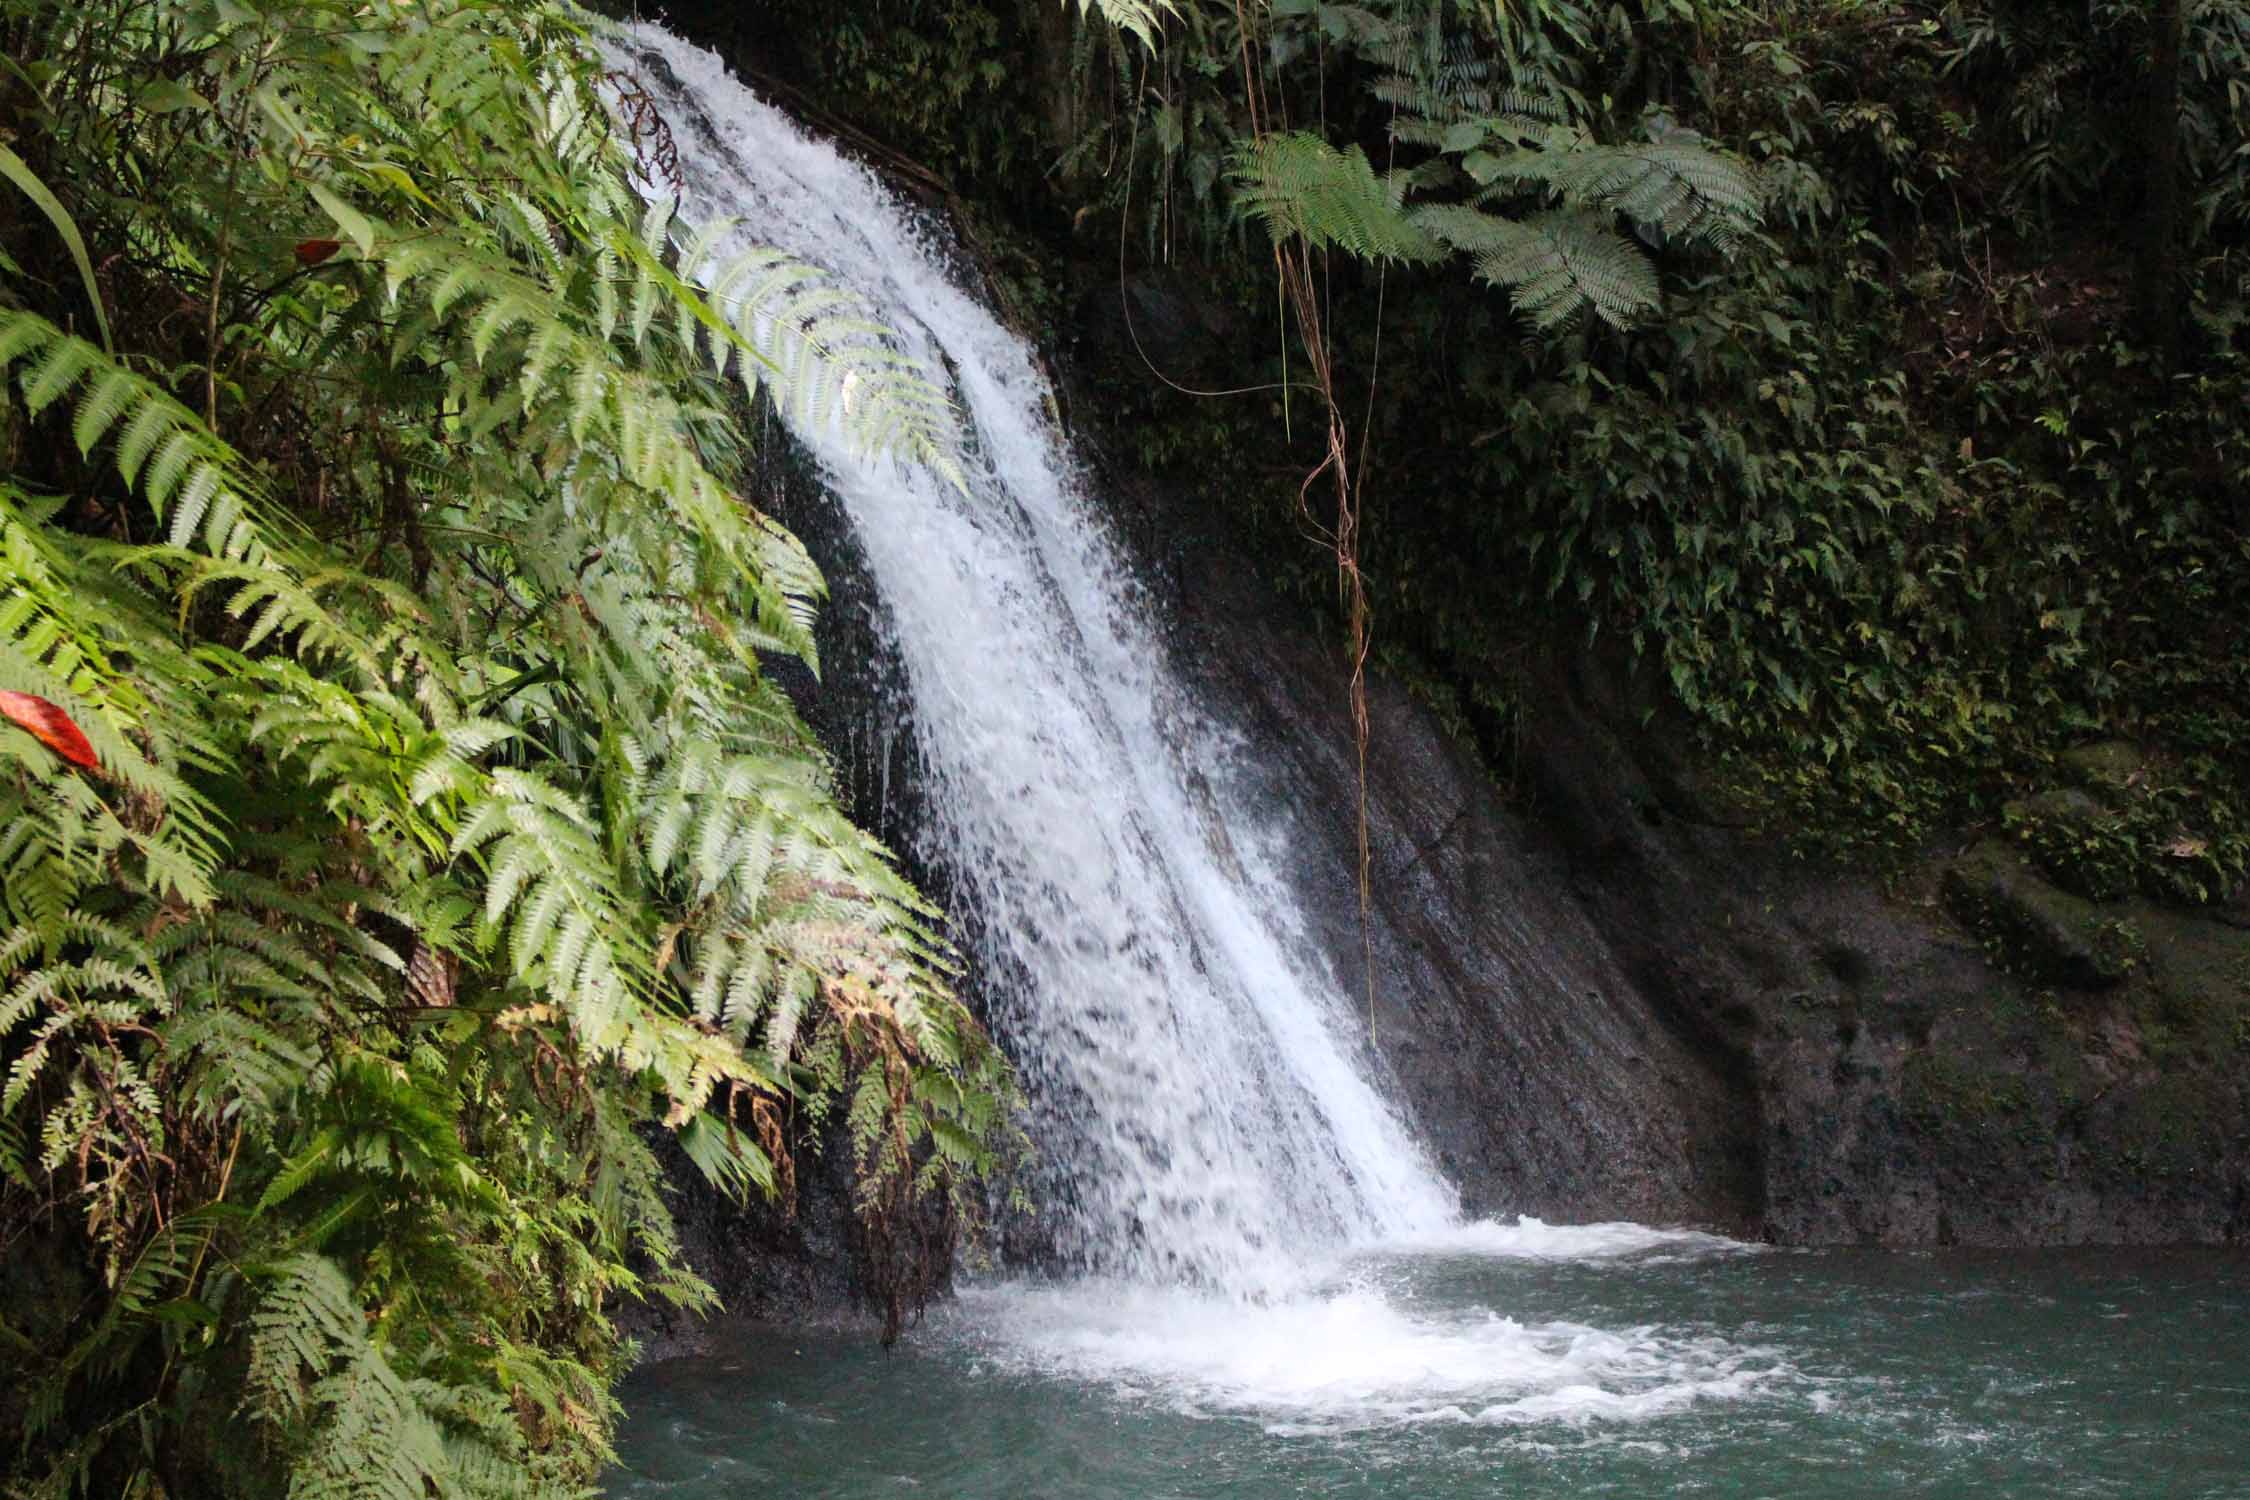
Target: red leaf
50 726
313 252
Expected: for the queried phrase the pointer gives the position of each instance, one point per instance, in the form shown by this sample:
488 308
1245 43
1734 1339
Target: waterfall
1199 1090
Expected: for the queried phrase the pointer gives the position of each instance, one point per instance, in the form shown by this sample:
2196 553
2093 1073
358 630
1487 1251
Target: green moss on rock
2110 769
2038 930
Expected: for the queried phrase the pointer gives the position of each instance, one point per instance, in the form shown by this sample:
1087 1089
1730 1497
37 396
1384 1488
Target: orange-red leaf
50 726
313 252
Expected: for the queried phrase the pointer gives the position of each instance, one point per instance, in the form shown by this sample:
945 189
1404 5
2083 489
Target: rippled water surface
1519 1360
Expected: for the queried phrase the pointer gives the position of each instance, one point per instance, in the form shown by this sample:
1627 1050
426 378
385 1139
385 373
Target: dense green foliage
366 503
1904 474
1901 504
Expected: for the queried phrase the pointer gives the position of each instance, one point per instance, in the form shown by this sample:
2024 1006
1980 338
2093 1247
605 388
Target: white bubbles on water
1361 1350
1532 1239
1356 1359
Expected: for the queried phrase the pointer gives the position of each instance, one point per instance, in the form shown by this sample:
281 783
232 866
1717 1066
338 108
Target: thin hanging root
1344 542
1293 267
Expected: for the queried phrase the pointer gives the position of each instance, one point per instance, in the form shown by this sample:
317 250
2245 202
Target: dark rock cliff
1525 1048
1919 1073
1598 998
1601 995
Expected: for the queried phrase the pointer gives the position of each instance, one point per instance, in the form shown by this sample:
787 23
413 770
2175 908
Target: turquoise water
1631 1367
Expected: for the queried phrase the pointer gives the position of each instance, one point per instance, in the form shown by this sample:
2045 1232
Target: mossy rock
2063 808
2040 931
2110 768
2077 840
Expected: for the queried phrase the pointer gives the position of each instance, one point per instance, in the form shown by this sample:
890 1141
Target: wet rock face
1162 317
1518 1041
1596 998
1961 1054
762 1258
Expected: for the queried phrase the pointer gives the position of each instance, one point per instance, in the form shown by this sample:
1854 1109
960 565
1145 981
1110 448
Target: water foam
1353 1357
1533 1239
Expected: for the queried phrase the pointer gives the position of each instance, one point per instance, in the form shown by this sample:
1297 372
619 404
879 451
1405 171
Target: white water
1224 1166
1215 1123
1360 1358
1360 1348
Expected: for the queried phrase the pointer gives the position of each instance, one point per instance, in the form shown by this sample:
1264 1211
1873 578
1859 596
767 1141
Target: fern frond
1555 265
817 348
192 479
354 1429
1302 186
1141 18
1677 189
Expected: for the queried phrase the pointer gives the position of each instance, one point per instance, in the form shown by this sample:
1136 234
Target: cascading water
1190 1068
1241 1207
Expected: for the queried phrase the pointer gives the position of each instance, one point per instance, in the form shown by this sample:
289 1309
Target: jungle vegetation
1870 372
399 832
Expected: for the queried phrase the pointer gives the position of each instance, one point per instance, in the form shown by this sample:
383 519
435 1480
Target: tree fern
355 1427
1138 17
789 329
1302 186
1553 264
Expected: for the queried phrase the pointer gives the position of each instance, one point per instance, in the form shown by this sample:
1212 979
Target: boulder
2076 839
2110 768
2040 931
